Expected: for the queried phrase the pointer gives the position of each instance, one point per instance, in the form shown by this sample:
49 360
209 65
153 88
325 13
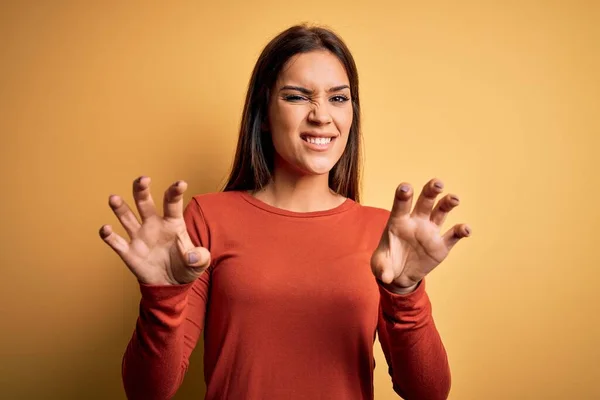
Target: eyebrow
309 92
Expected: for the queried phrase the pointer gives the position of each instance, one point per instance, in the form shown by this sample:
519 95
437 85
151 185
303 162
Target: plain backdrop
498 99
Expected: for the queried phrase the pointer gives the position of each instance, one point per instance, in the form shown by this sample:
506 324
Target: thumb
198 257
387 275
380 268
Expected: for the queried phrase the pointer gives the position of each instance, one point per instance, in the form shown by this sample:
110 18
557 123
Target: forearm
153 363
416 355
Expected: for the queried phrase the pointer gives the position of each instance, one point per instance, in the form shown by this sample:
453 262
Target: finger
454 234
197 257
126 217
173 200
443 207
424 204
143 198
402 200
116 242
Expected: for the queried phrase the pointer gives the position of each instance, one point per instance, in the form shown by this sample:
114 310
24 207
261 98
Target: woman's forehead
316 69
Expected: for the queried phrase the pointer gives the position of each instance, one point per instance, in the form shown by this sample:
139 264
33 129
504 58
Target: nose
318 115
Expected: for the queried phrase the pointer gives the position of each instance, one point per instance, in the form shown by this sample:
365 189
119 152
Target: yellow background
500 100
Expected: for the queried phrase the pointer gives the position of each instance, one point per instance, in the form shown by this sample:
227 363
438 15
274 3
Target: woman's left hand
412 245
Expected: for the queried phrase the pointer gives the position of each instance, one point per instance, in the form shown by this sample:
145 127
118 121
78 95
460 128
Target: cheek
286 118
343 119
284 125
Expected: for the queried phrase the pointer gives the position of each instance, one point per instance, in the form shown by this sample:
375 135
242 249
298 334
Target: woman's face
310 113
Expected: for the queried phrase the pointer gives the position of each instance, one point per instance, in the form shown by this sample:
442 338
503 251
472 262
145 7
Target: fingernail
404 189
438 185
454 198
192 258
468 230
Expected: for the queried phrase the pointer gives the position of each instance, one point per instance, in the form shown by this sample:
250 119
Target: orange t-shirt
289 309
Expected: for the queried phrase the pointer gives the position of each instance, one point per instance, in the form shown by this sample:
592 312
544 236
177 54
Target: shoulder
374 212
215 201
214 198
371 218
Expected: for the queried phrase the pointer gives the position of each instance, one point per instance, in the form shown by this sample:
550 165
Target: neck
299 193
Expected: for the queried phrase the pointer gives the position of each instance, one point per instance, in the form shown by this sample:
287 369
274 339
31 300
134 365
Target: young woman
285 273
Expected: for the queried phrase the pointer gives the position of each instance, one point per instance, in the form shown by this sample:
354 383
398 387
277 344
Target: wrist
391 287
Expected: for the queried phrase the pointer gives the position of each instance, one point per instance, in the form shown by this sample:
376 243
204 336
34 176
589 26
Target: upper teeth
318 140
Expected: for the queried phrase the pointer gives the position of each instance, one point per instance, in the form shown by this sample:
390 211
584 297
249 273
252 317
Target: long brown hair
254 156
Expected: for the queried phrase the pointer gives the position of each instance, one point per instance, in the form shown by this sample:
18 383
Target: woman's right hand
160 251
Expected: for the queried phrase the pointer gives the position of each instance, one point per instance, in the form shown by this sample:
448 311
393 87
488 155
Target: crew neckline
346 205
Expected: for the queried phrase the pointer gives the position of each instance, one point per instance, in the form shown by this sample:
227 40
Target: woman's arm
168 327
416 358
411 246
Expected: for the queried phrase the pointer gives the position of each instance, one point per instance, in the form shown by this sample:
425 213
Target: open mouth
322 141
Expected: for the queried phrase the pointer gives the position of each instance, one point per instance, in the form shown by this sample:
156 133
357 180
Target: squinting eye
293 97
339 99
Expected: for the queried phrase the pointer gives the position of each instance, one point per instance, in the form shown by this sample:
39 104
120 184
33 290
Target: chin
318 169
320 172
311 165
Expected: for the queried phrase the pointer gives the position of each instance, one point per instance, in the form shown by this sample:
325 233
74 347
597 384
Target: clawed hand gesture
159 250
412 244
